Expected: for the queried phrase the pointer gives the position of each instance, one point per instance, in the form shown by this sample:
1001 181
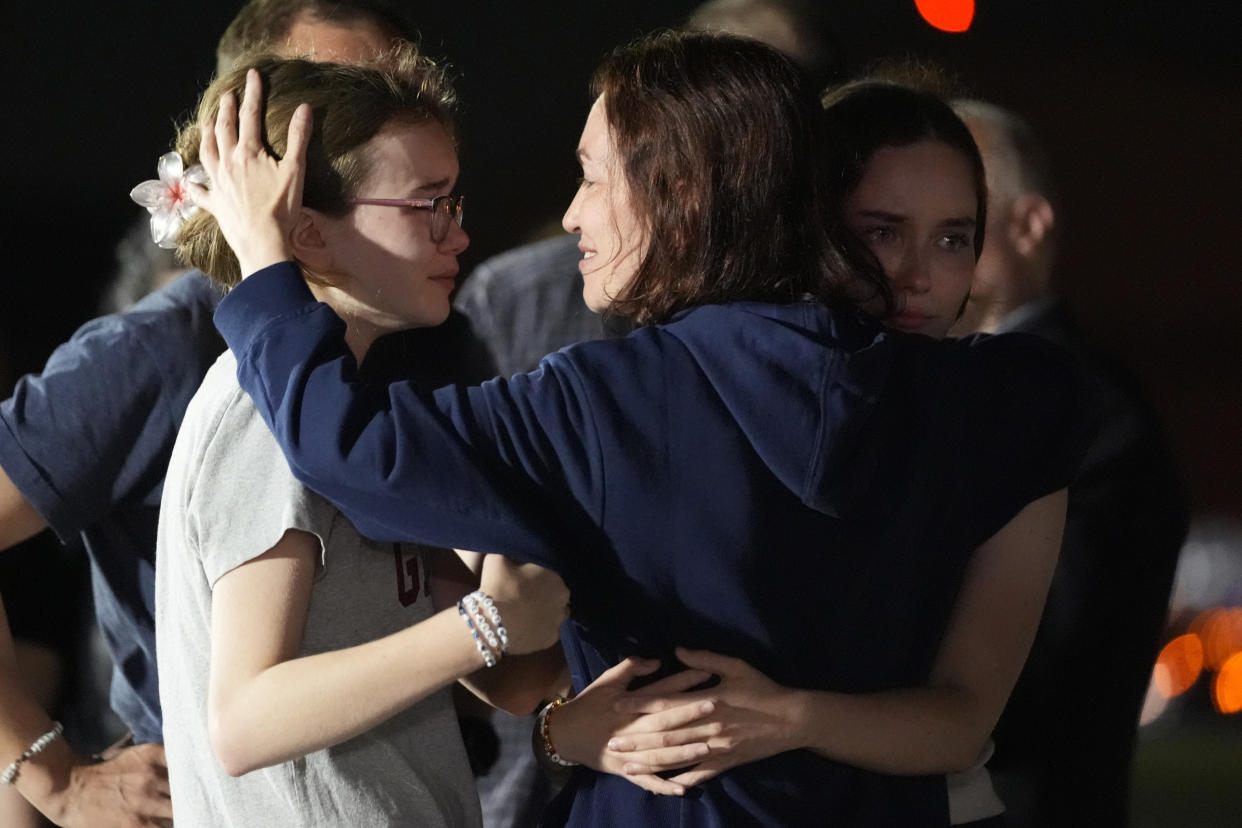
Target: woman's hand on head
587 727
533 602
254 197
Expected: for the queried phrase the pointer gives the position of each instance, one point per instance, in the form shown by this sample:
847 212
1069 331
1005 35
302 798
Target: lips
448 278
910 321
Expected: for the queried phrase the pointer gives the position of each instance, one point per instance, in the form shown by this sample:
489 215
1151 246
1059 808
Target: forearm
927 730
392 446
519 683
942 727
18 519
22 721
309 703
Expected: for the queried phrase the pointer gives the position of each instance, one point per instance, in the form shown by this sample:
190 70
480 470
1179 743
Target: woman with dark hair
759 469
906 184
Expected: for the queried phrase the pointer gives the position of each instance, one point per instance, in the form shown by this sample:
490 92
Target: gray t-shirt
228 498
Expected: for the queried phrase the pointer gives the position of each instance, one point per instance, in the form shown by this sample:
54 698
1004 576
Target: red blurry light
947 15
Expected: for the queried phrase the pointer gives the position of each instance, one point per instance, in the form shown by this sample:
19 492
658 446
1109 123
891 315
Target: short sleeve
92 434
243 498
81 436
1028 423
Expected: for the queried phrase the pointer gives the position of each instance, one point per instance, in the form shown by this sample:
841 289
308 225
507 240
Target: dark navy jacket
785 484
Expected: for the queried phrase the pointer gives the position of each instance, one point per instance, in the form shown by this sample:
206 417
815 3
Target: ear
307 240
1031 221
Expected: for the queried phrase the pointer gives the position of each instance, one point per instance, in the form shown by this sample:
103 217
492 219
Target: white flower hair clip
168 199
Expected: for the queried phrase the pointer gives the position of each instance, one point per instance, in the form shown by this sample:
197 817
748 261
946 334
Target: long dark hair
866 115
718 138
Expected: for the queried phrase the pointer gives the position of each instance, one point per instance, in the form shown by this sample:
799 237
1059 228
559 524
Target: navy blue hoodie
787 484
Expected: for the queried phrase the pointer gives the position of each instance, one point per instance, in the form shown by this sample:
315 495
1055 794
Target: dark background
1139 104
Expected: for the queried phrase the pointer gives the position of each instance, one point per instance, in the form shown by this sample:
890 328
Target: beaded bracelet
489 658
481 623
494 614
545 735
37 746
473 601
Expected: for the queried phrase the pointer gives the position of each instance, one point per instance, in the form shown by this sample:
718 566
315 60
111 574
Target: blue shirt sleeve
486 468
92 434
92 431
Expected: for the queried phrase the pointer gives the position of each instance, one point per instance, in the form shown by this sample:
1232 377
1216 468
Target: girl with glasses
304 666
761 469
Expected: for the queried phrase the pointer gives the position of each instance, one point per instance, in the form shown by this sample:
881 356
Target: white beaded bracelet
37 746
479 602
489 659
481 624
494 614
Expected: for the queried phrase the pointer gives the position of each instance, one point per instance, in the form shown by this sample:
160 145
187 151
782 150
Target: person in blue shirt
907 182
761 469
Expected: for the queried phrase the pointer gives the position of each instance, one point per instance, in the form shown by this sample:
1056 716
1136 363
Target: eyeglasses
444 211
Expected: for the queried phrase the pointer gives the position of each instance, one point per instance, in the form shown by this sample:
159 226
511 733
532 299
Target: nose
569 221
456 241
913 275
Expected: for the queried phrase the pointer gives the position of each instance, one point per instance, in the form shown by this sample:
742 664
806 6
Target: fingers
635 743
295 150
656 785
670 758
678 682
226 125
250 125
208 148
667 720
621 674
639 703
711 662
699 774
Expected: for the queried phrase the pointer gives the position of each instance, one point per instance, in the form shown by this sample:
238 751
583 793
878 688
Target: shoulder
1028 368
172 327
1027 400
231 459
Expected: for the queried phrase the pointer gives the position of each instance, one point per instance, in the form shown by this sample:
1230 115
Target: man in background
1066 740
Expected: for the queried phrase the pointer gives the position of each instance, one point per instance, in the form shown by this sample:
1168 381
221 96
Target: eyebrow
897 218
883 215
433 186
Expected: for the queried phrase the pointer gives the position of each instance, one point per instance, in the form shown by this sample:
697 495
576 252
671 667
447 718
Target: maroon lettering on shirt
408 582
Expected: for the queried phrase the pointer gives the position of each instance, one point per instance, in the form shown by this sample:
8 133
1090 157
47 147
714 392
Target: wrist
263 255
46 779
483 619
544 745
799 706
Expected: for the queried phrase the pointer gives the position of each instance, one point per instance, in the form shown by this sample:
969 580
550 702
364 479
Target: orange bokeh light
1178 666
947 15
1220 630
1227 689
